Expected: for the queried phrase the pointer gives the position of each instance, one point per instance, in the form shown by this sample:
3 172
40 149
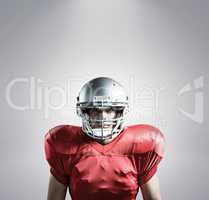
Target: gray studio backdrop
157 49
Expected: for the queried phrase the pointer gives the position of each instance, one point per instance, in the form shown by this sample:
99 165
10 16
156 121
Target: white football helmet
102 94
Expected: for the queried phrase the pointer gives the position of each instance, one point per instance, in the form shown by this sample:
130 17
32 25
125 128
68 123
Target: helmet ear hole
119 113
84 110
79 112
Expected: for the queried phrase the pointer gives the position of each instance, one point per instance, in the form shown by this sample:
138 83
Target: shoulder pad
64 138
147 138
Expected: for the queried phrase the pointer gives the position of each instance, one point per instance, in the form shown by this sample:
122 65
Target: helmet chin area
108 129
102 132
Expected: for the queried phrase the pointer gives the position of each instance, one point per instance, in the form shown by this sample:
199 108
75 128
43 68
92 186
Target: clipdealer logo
144 102
40 97
196 88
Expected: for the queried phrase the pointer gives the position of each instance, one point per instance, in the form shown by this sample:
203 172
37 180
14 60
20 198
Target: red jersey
112 171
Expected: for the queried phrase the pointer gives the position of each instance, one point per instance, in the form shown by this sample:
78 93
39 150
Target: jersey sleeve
149 164
152 145
55 162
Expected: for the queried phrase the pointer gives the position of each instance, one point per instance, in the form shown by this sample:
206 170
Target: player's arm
151 189
56 190
58 179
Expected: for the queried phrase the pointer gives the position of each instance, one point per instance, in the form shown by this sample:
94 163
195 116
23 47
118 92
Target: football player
104 159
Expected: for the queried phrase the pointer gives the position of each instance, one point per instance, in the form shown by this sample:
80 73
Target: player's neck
103 142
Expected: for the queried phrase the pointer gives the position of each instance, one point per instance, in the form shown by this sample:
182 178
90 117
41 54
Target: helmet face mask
102 115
